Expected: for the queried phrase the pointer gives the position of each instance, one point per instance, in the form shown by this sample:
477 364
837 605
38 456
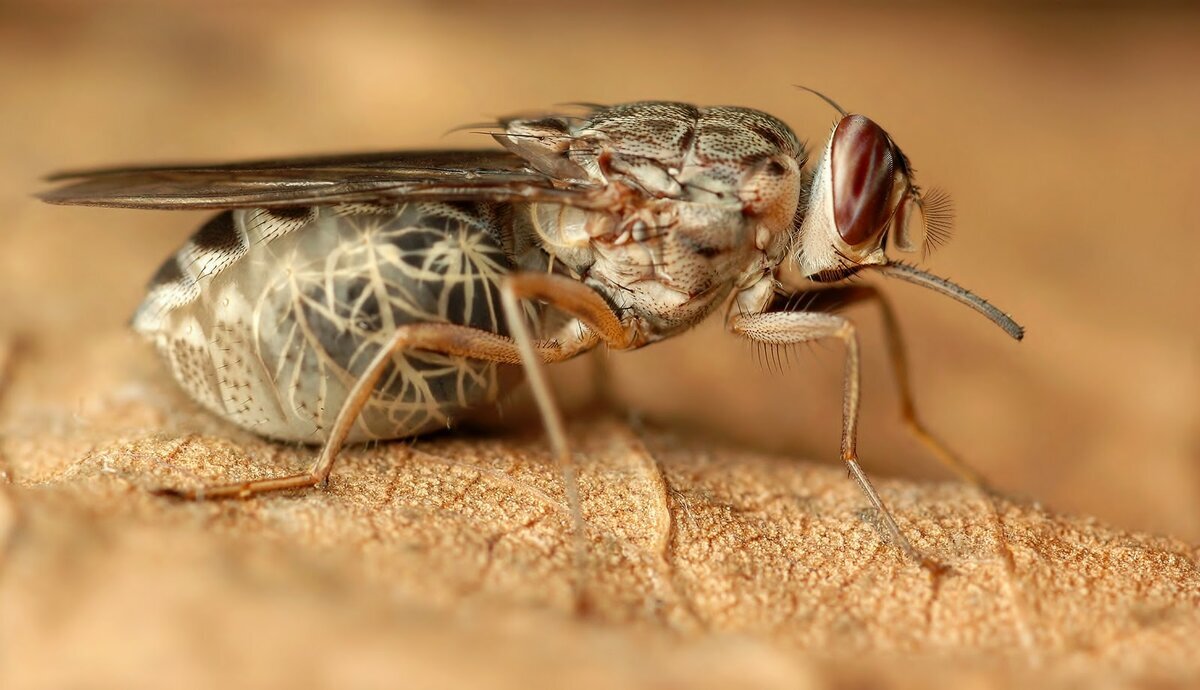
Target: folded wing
391 177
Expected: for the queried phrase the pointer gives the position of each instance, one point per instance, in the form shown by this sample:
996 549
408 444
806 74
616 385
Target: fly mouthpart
955 291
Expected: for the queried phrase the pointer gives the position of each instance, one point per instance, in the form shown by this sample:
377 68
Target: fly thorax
564 233
668 264
684 202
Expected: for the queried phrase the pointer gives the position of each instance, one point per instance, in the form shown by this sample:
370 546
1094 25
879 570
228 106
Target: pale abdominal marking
269 328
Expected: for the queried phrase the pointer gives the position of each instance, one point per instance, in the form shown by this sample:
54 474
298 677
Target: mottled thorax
698 202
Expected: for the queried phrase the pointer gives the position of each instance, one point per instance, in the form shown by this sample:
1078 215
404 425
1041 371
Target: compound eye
861 167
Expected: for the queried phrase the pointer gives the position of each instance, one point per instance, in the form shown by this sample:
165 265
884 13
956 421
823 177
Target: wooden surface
727 545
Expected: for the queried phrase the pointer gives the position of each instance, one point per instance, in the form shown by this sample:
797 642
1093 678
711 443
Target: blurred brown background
1068 135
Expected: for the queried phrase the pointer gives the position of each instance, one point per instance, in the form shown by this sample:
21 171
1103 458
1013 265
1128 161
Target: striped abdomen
267 317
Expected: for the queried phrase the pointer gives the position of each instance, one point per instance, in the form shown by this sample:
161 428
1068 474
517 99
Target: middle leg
601 324
448 339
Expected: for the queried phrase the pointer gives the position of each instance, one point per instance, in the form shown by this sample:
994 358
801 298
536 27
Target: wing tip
53 196
70 196
65 195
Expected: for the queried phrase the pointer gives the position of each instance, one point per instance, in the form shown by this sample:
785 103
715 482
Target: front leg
792 327
827 298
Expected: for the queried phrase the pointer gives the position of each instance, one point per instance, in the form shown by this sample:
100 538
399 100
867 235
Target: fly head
862 193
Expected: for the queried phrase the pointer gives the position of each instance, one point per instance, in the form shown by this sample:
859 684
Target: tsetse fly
349 298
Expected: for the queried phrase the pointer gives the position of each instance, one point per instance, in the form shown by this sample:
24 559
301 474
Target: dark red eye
861 166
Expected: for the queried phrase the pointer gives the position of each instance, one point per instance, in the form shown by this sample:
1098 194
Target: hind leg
444 338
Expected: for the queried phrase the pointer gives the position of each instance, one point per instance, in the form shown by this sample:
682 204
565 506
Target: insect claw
936 568
172 493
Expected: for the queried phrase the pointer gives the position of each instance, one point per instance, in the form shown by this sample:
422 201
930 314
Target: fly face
863 192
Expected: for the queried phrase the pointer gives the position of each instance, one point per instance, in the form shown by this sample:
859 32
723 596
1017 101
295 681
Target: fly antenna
823 97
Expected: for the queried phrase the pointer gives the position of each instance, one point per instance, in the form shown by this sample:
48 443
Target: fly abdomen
267 317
